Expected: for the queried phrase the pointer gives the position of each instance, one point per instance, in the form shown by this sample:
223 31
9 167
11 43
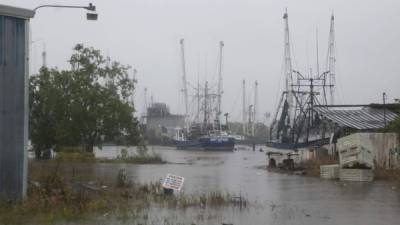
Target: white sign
173 182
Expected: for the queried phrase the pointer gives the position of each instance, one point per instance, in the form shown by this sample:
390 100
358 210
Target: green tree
393 126
77 107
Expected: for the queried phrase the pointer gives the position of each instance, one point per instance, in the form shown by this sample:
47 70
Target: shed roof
362 119
6 10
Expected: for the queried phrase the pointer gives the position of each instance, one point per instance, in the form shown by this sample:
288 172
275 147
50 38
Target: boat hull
207 143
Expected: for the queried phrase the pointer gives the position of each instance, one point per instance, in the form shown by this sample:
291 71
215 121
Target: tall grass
56 195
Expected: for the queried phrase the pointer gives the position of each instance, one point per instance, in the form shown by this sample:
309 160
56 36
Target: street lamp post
90 15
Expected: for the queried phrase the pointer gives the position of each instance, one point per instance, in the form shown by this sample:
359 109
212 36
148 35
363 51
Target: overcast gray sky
146 33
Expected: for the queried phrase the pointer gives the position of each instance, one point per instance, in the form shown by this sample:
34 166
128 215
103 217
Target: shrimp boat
208 134
295 116
211 141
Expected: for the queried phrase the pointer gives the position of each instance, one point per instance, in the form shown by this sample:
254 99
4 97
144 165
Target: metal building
161 123
14 61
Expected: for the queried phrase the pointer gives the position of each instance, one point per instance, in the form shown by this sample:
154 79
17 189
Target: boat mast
205 121
332 60
184 90
145 106
323 75
198 100
255 109
288 70
220 91
286 102
133 95
250 122
244 107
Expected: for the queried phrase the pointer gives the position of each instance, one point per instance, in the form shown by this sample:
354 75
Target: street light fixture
90 15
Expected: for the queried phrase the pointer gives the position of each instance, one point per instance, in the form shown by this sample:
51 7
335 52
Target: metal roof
6 10
362 119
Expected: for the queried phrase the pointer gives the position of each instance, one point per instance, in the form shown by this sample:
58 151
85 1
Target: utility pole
384 108
244 106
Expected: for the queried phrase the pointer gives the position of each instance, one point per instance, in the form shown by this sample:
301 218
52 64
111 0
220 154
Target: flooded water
280 199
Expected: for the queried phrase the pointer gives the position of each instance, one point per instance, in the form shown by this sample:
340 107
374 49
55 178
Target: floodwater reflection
280 199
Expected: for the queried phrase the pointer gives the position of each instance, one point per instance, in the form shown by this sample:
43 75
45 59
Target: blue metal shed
14 61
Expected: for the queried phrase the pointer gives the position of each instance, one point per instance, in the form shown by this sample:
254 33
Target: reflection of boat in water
201 132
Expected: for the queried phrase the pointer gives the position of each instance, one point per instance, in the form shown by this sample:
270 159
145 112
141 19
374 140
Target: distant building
161 124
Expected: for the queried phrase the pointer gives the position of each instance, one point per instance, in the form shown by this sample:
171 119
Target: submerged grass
135 159
83 157
56 195
387 174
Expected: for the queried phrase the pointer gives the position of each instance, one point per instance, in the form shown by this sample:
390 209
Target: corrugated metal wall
13 107
386 150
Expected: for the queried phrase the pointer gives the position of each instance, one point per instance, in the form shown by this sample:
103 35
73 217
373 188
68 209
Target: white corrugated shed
373 149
